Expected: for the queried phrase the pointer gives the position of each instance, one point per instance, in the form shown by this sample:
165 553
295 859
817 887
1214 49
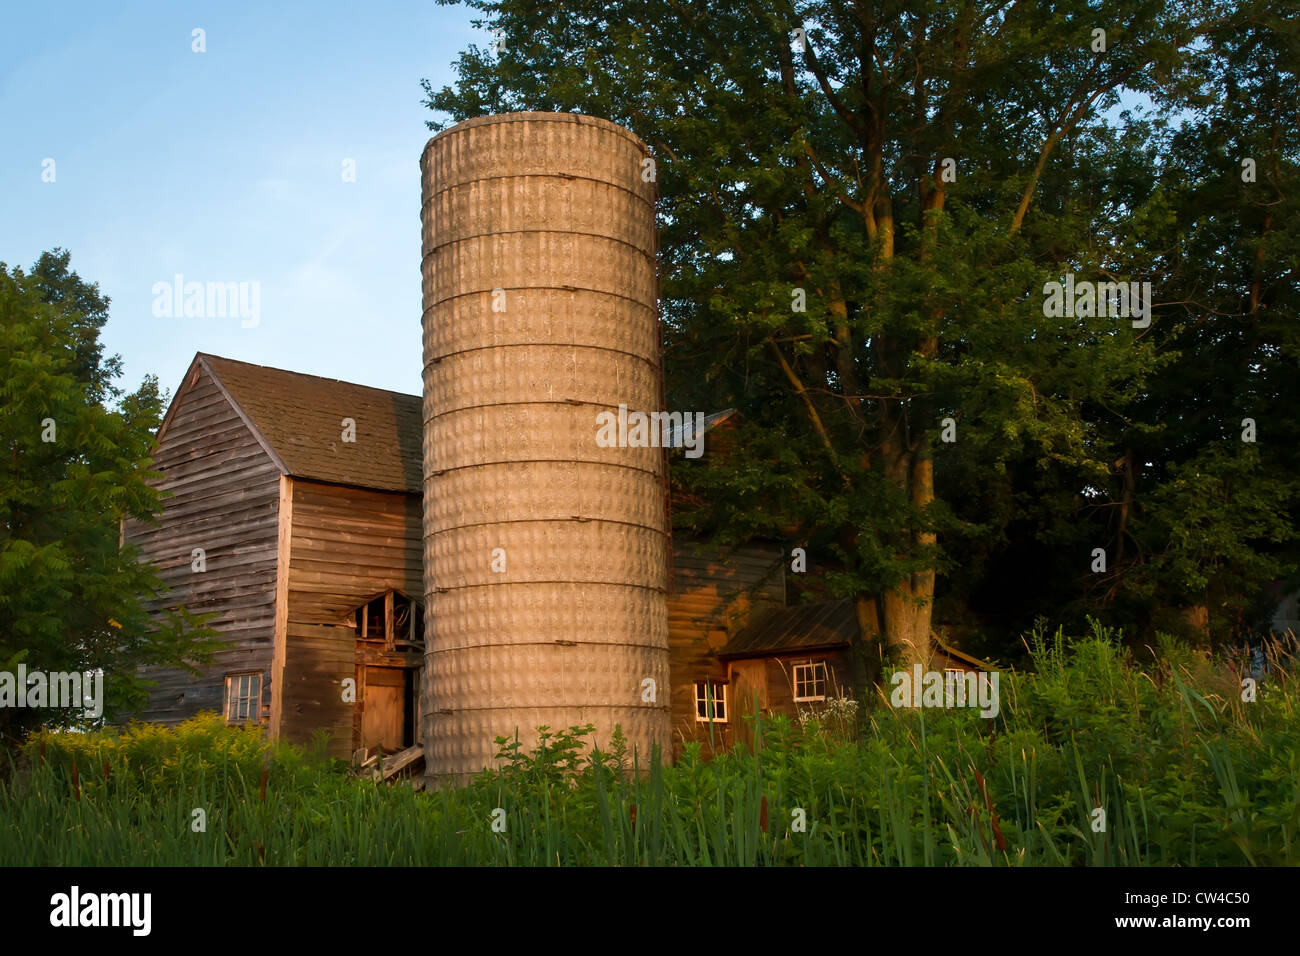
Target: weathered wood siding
225 491
713 593
780 679
347 546
766 685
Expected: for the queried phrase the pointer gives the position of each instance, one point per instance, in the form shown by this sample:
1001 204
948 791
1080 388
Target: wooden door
383 718
748 696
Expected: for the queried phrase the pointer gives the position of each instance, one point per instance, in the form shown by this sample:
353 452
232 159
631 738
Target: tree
1214 475
71 599
1197 514
87 311
898 166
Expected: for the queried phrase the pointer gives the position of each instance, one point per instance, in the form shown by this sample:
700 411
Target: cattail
76 783
997 830
262 798
106 771
762 814
632 813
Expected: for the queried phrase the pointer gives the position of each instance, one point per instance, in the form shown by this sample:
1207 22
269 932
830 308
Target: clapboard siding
347 546
713 593
780 679
224 499
318 657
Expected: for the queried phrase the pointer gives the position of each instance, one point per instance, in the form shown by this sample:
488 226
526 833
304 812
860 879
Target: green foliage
819 167
70 471
1186 773
1191 516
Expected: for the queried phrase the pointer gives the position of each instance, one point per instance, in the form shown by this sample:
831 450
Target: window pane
243 697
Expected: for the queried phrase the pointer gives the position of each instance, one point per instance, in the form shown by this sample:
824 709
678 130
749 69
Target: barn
351 543
295 519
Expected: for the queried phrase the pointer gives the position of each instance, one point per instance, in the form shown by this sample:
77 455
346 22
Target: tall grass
1184 771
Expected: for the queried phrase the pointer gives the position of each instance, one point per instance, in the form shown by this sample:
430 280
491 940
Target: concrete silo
544 553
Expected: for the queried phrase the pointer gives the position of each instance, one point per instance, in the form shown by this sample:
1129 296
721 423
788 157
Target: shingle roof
300 417
804 626
815 626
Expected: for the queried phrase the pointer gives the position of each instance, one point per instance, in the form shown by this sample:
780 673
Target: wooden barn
713 596
295 518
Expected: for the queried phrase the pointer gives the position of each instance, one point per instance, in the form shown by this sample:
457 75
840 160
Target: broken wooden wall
347 545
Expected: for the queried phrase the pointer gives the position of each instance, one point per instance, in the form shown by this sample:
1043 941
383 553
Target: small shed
792 658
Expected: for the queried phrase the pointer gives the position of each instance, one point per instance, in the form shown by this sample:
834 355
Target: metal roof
802 627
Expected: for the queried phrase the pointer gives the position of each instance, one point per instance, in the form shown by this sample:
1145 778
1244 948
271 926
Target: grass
1092 761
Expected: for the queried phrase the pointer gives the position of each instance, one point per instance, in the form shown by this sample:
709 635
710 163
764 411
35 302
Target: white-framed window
810 681
711 701
243 697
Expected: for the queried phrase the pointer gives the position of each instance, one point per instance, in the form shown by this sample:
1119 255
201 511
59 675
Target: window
391 619
243 697
711 701
810 681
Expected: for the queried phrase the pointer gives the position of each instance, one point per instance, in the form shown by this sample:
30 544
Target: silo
544 554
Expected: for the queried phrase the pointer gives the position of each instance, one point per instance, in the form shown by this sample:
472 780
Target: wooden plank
284 538
398 762
348 546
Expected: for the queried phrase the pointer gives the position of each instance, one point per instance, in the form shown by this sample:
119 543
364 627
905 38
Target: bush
1090 761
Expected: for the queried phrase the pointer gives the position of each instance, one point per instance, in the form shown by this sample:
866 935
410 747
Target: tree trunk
866 652
907 620
906 606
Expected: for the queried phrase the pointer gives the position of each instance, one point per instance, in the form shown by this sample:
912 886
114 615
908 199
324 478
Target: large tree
71 468
1210 482
1198 514
896 169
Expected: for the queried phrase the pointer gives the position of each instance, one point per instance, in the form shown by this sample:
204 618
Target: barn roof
819 626
299 420
801 627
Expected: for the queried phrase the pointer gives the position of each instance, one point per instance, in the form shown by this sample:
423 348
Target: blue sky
227 166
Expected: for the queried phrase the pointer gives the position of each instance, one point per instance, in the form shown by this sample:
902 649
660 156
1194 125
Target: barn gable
214 545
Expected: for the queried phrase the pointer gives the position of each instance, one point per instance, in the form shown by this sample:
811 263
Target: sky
228 166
